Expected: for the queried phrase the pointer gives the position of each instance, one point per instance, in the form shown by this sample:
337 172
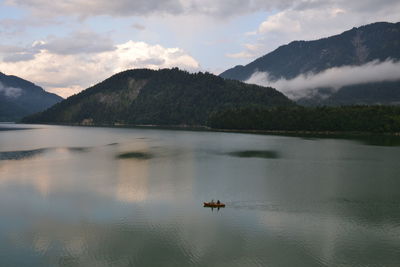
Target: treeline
377 119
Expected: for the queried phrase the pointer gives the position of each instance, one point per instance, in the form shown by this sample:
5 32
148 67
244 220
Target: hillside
163 97
356 47
19 98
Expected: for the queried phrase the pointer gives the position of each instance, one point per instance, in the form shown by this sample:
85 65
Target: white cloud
305 85
66 74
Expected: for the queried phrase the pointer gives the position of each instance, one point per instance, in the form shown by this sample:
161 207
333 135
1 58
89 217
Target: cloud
69 73
11 49
76 43
214 8
17 27
306 85
310 20
87 8
250 49
83 42
16 53
10 92
15 57
138 26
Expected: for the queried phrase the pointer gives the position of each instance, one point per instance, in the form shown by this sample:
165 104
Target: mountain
374 42
19 98
163 97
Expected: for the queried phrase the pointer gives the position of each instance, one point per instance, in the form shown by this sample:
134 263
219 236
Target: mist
306 85
10 92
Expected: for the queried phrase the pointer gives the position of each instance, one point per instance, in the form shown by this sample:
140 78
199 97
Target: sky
67 46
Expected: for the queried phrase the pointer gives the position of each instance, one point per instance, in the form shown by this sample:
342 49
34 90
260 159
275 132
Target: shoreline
209 129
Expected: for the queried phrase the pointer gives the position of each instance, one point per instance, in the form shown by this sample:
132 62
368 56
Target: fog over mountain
10 92
307 85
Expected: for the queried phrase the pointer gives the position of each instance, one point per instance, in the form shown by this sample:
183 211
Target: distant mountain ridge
19 98
163 97
378 41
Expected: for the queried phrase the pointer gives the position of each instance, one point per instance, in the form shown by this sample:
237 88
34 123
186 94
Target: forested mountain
19 98
163 97
356 47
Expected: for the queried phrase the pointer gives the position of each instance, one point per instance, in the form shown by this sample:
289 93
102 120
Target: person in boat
218 202
212 201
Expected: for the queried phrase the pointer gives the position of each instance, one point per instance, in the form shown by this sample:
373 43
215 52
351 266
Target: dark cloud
138 26
86 8
11 49
77 43
16 53
18 57
218 8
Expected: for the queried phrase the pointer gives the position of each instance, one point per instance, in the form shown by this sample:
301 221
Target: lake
85 196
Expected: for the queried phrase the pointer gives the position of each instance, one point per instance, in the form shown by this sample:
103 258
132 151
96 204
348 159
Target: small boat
214 205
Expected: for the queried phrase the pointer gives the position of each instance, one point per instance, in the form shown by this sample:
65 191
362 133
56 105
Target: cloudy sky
66 46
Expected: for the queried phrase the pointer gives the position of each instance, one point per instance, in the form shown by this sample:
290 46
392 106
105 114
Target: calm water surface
76 196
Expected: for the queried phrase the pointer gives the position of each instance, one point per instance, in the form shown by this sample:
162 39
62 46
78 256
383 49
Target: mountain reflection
21 154
132 178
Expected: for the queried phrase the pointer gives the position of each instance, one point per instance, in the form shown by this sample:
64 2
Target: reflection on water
268 154
22 154
132 181
135 155
386 140
13 127
78 149
367 139
319 202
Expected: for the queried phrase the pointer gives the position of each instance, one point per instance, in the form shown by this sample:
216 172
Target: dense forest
377 119
162 97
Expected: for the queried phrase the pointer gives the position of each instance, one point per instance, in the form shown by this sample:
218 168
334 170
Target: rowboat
214 205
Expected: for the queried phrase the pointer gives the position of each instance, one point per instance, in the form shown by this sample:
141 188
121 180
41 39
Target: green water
77 196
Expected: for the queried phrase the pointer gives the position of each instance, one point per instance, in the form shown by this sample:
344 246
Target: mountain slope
163 97
19 98
378 41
